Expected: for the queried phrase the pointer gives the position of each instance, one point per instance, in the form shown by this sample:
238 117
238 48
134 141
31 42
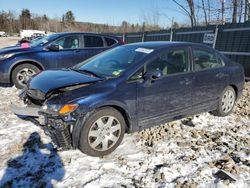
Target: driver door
168 96
67 55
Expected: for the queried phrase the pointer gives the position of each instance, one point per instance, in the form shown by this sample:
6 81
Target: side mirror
53 47
153 75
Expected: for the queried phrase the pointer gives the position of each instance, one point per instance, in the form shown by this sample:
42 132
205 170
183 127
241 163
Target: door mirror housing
53 47
153 75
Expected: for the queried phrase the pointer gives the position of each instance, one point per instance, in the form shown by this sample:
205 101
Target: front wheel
226 102
102 132
22 73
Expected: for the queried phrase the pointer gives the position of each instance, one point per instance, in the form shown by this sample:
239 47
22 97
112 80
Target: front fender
92 109
21 61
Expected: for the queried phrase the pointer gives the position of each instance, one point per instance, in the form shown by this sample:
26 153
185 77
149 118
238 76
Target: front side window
69 42
44 40
169 62
204 59
93 41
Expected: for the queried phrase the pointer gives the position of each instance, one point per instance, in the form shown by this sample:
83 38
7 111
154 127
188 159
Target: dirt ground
8 41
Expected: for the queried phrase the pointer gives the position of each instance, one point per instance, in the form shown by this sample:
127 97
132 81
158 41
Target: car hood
50 80
15 49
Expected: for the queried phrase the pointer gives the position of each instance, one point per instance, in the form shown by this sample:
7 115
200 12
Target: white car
3 34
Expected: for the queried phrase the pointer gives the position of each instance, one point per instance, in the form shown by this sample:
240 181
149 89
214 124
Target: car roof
86 33
164 44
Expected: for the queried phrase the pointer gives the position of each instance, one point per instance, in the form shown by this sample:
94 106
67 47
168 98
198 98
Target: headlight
51 108
6 56
59 109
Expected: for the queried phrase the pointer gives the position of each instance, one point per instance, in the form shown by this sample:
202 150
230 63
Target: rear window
93 41
110 42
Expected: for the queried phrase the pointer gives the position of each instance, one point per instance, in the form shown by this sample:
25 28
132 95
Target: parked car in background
27 33
129 88
3 34
19 63
37 36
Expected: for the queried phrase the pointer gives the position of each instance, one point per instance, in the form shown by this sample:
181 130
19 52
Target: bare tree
190 12
248 5
234 15
209 10
223 12
240 12
204 11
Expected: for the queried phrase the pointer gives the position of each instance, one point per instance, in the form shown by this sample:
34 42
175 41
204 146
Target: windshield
43 40
114 62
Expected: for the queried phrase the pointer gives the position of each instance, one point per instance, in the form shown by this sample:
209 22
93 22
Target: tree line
197 12
10 22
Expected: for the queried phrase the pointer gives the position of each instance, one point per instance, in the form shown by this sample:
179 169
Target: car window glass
138 75
169 62
110 41
70 42
93 41
114 62
204 59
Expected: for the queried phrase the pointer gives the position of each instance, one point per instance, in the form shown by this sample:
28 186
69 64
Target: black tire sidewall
20 67
83 141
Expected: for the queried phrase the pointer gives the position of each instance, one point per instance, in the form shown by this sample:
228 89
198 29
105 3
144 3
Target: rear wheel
102 132
22 73
226 102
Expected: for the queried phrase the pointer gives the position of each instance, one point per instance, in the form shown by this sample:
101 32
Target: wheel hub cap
24 75
104 133
228 100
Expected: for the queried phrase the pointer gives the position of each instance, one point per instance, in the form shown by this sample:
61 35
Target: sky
111 12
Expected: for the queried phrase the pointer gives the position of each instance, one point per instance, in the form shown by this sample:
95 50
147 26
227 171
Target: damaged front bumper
54 126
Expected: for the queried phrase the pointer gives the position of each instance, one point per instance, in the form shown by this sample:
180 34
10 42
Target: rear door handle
77 51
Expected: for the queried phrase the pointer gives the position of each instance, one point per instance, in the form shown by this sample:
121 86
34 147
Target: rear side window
110 42
204 59
93 41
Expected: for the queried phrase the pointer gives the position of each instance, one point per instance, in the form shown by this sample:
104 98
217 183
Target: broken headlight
51 108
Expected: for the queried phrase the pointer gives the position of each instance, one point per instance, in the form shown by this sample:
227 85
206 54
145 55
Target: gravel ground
200 151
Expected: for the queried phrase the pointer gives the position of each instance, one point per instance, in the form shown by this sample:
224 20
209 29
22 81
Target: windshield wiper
86 71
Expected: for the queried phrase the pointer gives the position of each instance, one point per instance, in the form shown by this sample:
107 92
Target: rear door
93 45
169 96
210 78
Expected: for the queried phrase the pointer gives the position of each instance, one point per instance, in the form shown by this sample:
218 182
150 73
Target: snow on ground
179 154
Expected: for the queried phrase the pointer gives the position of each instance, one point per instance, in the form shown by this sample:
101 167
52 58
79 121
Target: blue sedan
92 105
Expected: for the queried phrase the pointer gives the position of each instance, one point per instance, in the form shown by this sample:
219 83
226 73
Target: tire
22 73
99 136
226 102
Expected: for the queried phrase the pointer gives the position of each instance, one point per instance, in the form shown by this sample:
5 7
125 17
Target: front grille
61 138
60 134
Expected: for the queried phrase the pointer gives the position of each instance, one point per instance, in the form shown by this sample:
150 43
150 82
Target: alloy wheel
24 75
104 133
227 101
